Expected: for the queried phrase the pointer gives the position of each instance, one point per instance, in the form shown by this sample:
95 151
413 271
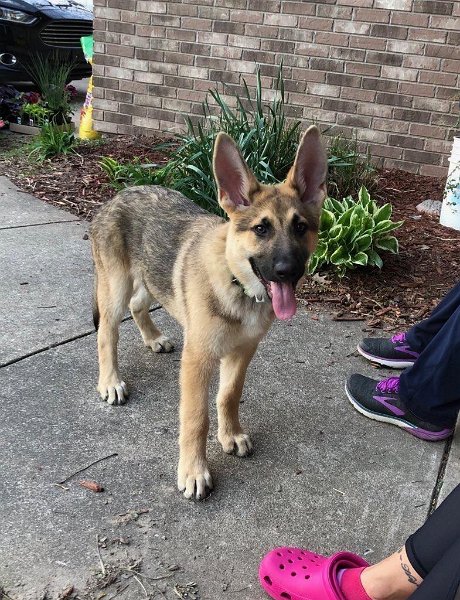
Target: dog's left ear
308 173
235 181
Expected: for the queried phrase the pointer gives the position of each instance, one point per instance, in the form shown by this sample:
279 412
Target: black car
31 27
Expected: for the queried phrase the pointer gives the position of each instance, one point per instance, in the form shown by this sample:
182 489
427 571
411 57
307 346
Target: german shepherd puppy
224 282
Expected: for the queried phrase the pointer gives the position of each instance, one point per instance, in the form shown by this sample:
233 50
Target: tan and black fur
150 242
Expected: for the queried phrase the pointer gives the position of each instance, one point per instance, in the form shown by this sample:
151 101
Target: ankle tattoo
411 578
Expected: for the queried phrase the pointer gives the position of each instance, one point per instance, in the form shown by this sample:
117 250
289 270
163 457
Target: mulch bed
403 292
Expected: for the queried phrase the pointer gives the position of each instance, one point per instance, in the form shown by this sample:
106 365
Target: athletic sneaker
380 401
394 352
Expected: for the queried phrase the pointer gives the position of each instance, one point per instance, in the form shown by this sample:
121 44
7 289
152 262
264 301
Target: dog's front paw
194 478
237 443
161 344
114 392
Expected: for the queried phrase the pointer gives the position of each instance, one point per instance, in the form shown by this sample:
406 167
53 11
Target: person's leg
436 536
428 566
403 349
443 581
421 334
430 389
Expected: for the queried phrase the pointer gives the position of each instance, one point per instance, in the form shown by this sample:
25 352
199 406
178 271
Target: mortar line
440 478
41 224
63 342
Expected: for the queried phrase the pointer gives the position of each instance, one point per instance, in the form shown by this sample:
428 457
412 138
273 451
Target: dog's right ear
235 181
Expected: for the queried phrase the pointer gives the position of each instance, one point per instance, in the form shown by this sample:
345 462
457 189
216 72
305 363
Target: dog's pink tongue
283 300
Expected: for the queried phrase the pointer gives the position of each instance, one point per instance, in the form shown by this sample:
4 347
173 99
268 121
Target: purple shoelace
399 338
389 386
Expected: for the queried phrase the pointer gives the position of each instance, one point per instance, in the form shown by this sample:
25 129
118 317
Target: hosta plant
353 232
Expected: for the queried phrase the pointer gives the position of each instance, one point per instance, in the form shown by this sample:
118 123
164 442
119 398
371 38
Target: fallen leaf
91 485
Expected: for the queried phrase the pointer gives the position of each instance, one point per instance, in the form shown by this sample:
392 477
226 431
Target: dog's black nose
285 270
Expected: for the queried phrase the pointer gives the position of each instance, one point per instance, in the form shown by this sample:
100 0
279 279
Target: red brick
415 116
353 27
379 84
431 104
433 7
428 35
405 47
320 89
298 8
183 10
372 15
391 125
399 73
422 62
389 31
367 42
333 12
402 165
451 66
357 94
414 20
416 89
433 171
441 50
282 20
246 16
444 22
429 131
348 54
332 39
384 151
403 141
448 79
363 69
316 24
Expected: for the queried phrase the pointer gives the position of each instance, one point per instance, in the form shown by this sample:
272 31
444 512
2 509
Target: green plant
268 142
352 232
348 169
132 173
51 74
53 140
267 139
37 112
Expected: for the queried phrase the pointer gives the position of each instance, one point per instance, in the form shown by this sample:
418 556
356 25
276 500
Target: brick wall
385 69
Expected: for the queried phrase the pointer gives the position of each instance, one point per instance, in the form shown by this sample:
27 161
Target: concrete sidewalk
321 475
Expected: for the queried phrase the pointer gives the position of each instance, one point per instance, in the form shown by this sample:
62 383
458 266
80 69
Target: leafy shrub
132 173
51 74
352 231
53 140
348 169
267 141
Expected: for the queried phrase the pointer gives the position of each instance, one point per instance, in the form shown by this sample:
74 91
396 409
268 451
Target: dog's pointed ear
235 181
309 171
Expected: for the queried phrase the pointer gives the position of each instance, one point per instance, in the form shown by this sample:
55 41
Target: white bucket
450 211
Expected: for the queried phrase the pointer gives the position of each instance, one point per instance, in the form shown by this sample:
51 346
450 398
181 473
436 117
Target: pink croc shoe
295 574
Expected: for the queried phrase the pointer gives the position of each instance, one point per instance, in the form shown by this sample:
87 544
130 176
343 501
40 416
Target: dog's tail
96 315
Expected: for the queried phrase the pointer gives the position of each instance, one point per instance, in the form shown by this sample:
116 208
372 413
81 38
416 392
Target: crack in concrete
40 224
62 342
440 478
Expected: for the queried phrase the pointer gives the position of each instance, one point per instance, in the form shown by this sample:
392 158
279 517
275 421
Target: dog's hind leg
139 306
113 293
233 369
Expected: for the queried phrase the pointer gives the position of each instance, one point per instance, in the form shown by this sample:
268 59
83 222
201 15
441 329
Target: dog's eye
260 229
300 227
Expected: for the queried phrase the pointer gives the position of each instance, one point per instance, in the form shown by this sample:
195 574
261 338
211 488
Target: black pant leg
421 334
431 387
443 581
435 538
